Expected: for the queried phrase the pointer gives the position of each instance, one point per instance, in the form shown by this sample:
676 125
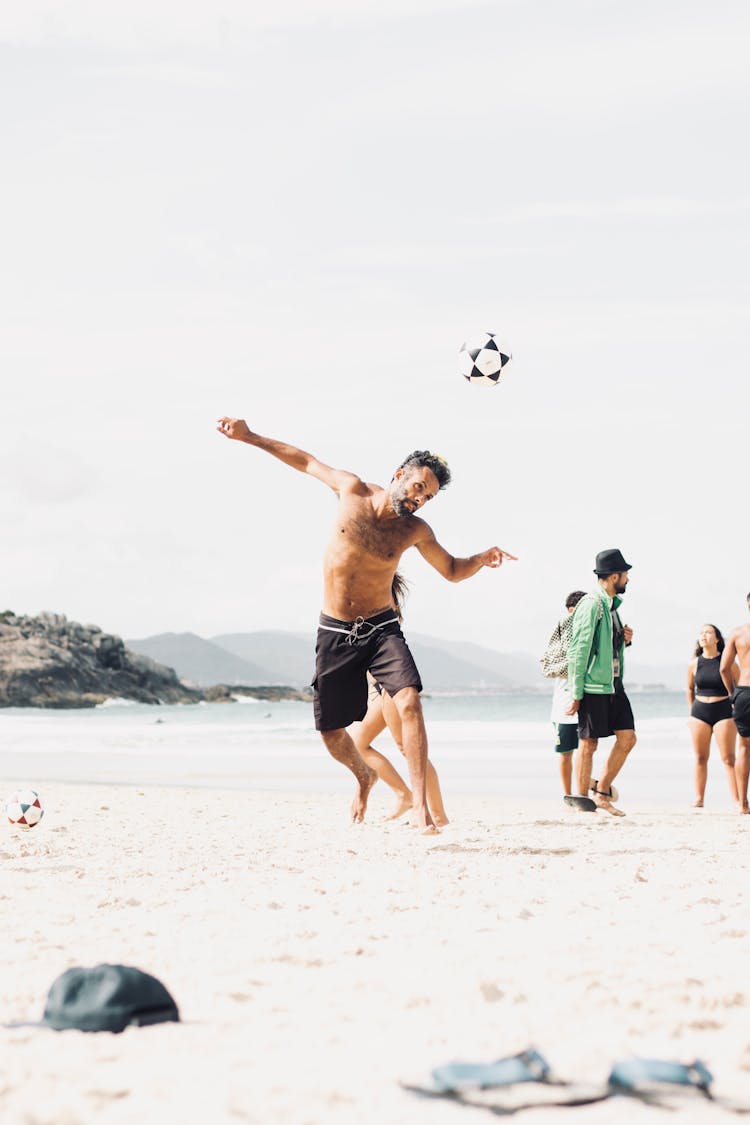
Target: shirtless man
359 630
738 648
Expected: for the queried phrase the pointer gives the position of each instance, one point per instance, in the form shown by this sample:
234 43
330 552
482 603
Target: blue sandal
648 1080
453 1078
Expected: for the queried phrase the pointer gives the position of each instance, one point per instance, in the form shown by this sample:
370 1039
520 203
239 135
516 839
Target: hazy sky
296 213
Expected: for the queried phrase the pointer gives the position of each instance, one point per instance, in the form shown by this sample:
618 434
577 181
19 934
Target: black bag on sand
107 998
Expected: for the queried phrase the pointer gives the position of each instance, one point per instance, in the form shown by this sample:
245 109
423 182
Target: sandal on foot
613 793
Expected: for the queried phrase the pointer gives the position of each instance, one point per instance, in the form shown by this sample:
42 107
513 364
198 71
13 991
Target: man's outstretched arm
238 430
456 570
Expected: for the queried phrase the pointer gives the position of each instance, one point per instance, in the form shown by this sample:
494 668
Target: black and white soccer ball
24 808
483 360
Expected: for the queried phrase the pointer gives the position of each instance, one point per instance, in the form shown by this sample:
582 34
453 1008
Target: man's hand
628 634
572 709
494 557
235 428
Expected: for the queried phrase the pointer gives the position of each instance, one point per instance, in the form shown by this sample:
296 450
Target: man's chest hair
385 538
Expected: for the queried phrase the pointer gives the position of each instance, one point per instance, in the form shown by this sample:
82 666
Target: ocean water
480 744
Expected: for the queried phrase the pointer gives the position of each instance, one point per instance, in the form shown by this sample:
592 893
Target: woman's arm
691 682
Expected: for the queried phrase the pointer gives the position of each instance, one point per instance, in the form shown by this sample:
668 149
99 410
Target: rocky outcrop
48 661
227 693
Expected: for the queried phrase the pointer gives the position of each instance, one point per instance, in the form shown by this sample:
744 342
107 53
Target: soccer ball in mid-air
483 360
24 809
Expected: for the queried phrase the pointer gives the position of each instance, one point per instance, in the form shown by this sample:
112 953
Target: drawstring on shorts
356 632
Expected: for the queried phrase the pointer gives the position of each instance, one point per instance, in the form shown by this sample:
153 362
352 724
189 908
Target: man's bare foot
745 809
698 803
606 805
359 804
403 804
422 819
441 820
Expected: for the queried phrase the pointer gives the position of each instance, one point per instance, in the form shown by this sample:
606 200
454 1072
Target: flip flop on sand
652 1081
582 804
528 1066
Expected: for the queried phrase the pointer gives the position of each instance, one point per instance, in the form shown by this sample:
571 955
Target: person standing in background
595 668
738 648
564 724
711 711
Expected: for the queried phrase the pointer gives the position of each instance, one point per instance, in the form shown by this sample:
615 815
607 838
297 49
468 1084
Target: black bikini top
708 679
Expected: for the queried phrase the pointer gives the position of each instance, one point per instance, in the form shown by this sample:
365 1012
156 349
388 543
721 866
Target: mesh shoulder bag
554 660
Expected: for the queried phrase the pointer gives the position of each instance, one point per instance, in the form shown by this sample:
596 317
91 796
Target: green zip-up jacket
590 663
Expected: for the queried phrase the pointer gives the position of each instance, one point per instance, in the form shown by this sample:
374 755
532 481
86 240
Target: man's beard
621 587
398 499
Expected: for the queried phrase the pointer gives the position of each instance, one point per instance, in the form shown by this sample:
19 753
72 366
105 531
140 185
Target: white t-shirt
561 700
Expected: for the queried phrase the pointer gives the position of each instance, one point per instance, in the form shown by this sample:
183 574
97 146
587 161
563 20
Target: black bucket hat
610 562
107 998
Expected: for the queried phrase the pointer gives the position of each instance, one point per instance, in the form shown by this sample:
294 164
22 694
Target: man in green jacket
595 666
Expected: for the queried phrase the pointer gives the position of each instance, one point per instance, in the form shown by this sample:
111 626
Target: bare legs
700 733
414 745
625 740
385 710
585 763
725 733
742 772
435 797
341 747
363 733
432 784
566 772
393 779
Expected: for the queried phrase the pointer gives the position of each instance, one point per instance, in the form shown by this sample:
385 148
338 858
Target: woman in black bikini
710 711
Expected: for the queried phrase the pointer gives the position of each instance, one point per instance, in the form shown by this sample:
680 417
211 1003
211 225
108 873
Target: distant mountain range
271 657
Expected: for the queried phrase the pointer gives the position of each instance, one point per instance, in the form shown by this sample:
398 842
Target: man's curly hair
423 459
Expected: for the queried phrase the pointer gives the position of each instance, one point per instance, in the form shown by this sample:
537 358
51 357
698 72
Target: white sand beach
318 965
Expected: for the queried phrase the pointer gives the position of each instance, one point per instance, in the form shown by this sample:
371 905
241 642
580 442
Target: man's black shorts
741 710
345 652
599 716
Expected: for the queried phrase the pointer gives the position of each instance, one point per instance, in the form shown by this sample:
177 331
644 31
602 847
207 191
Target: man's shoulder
352 485
420 529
